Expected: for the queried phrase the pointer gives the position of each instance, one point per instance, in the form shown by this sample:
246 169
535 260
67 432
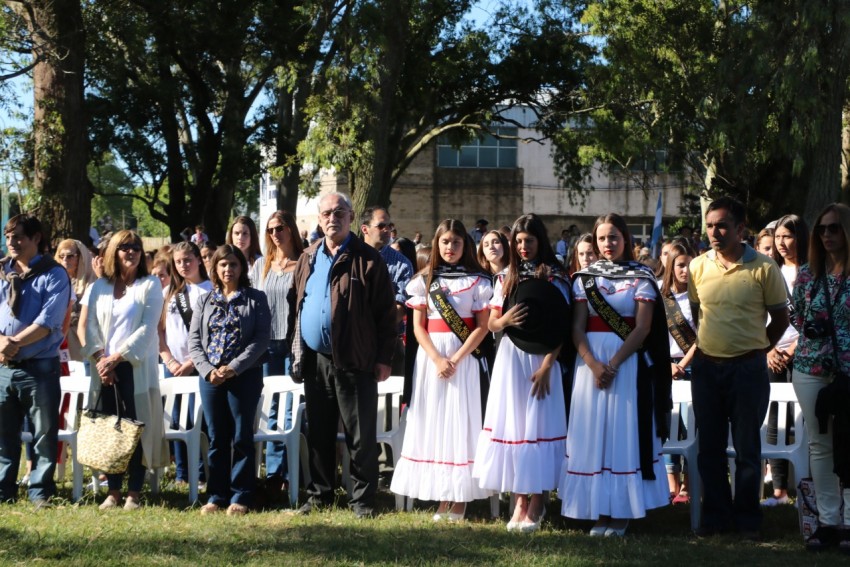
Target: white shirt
176 333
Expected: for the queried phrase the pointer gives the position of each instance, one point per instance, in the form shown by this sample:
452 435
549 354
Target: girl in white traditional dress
602 478
444 418
522 445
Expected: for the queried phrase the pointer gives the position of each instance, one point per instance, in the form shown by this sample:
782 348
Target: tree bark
59 127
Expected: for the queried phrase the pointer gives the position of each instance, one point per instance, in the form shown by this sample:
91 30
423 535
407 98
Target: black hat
547 323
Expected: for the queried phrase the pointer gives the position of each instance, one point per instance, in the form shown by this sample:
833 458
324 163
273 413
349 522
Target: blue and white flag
655 242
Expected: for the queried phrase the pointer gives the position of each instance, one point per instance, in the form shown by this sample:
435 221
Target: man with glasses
342 346
375 226
35 293
732 290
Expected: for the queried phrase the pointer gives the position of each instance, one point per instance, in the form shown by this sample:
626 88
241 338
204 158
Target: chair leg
193 453
494 506
293 462
77 492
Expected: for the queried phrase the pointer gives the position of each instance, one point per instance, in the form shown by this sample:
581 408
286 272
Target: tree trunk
59 127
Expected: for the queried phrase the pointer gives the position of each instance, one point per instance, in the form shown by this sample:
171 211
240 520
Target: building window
485 151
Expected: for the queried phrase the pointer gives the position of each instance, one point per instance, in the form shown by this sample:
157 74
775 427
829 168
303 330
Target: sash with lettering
444 307
679 328
653 380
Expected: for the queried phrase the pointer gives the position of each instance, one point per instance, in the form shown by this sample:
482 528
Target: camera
817 329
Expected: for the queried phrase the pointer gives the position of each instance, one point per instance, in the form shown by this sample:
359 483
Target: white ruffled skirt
443 424
521 447
601 470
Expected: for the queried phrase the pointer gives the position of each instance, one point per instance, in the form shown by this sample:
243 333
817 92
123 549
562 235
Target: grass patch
165 532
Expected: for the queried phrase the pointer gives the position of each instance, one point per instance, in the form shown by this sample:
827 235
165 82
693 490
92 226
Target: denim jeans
126 391
178 448
278 364
30 390
735 393
229 410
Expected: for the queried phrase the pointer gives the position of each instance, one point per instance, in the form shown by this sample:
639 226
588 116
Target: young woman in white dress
444 419
603 478
522 445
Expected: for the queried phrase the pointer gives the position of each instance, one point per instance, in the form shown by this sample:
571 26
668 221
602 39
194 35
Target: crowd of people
529 368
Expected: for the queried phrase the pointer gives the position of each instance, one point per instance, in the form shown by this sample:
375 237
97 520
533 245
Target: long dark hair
467 259
546 259
817 253
178 282
254 246
798 227
480 253
222 252
620 224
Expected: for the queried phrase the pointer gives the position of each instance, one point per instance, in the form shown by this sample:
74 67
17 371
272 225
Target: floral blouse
225 332
814 356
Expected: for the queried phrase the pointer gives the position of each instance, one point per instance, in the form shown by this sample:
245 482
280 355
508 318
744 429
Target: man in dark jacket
342 346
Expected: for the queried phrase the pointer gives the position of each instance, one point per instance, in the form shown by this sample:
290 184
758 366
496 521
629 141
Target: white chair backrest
284 387
76 389
181 386
77 368
782 393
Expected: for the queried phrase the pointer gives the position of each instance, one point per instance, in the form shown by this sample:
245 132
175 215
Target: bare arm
779 320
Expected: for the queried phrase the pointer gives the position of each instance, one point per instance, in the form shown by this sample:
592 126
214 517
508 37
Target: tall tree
54 31
747 93
406 71
177 91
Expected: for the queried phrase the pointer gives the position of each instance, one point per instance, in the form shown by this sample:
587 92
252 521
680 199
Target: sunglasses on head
130 247
832 228
275 229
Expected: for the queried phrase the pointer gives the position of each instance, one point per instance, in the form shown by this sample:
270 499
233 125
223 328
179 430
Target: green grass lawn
165 532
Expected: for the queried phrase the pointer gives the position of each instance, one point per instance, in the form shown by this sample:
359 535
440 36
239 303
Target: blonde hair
110 257
817 253
85 273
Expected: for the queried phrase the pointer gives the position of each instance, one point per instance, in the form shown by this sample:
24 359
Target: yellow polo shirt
734 303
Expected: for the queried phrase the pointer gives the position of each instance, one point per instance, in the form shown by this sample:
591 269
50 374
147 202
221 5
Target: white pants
827 489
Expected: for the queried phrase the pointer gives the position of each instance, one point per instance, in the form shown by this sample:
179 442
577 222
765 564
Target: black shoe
844 541
41 504
364 513
710 531
313 505
824 537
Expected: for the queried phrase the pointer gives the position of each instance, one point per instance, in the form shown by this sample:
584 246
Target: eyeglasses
129 248
67 256
384 226
832 228
275 229
337 213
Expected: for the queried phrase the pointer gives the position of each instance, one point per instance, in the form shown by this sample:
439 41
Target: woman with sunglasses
821 302
273 274
76 259
121 339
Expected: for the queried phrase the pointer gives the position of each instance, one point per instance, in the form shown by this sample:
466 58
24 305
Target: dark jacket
363 328
255 331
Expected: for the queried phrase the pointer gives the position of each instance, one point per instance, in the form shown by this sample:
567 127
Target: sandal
237 510
824 537
210 508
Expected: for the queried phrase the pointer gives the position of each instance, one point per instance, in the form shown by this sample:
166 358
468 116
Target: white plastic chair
390 430
796 452
687 447
171 388
290 436
76 390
